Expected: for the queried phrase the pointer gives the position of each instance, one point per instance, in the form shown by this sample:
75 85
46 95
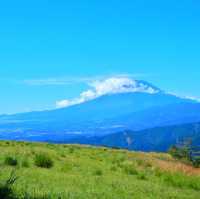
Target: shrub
7 143
62 154
43 160
11 161
142 176
71 150
179 152
187 153
98 172
196 162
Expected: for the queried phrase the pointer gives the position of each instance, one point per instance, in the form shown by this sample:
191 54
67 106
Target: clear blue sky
158 41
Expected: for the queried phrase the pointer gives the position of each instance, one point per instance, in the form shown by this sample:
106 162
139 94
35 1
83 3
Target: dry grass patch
176 166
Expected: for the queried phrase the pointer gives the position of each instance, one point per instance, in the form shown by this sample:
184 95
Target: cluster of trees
184 150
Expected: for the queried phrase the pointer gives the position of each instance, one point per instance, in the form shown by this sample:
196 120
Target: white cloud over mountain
110 85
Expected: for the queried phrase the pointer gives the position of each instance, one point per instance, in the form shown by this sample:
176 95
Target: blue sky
50 48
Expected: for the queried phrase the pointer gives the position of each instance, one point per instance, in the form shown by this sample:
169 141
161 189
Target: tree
184 150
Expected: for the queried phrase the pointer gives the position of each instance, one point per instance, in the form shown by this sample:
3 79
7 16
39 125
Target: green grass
80 172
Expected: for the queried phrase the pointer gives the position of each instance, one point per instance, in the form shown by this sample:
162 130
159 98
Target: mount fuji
114 105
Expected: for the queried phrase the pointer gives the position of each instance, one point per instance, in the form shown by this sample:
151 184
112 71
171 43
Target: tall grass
6 190
43 160
91 173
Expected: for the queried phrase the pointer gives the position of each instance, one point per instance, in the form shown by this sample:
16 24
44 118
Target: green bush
98 172
43 160
142 176
185 153
196 162
7 143
179 152
71 150
11 161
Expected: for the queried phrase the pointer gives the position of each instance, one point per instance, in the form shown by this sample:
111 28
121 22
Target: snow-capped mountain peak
110 86
140 86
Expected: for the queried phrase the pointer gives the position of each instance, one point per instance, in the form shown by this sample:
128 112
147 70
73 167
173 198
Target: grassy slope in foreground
81 172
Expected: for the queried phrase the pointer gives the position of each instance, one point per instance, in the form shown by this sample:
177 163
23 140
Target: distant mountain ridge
158 139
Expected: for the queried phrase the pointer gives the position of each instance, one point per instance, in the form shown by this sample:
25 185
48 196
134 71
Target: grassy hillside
81 172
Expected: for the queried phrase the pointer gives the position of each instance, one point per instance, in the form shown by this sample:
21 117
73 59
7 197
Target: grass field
82 172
